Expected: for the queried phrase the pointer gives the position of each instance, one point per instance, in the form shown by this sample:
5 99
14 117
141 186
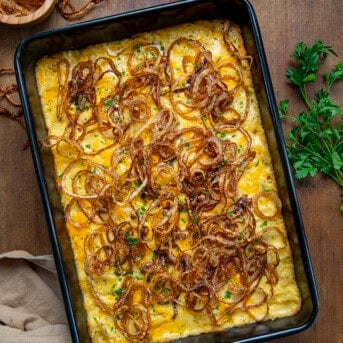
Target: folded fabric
31 305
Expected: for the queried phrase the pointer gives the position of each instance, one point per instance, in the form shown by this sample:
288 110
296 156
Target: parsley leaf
131 241
118 291
283 108
335 75
309 58
315 142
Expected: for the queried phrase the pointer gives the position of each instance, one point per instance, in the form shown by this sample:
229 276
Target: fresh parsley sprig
315 142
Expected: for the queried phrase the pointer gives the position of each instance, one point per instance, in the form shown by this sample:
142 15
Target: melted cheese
258 176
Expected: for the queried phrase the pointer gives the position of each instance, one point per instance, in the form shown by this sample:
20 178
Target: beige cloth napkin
31 305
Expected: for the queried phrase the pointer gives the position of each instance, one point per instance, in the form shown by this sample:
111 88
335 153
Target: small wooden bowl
33 18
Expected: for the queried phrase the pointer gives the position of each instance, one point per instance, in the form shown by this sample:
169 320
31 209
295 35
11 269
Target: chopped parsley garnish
109 102
140 211
227 295
118 291
194 219
131 241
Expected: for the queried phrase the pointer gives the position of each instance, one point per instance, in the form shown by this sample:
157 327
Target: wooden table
283 24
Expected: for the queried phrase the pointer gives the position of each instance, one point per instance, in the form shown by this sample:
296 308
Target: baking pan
122 26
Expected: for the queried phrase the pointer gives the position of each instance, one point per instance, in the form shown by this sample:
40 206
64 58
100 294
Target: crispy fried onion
131 311
267 204
9 95
70 12
189 238
200 88
19 8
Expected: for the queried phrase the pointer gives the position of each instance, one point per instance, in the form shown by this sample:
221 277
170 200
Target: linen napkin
31 305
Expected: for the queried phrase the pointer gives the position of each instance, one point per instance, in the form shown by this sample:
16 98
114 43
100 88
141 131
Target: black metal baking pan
122 26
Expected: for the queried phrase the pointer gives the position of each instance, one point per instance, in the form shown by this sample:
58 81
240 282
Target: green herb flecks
227 295
118 291
131 241
109 102
140 211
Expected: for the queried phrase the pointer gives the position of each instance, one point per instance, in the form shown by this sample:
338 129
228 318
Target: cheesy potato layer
167 184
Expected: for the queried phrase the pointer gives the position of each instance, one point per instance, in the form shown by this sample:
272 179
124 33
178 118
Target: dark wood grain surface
283 24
